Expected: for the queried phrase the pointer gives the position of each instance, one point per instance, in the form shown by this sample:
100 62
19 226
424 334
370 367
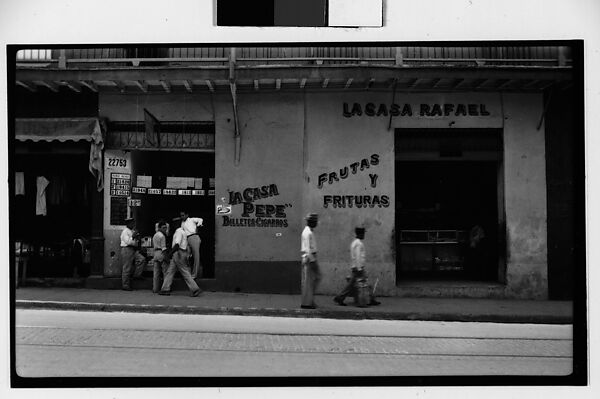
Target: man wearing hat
179 261
310 268
130 254
358 256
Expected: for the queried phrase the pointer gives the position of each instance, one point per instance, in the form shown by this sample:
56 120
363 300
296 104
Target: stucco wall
336 142
288 140
525 197
271 154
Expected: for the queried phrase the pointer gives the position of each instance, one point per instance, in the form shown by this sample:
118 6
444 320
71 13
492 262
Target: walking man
190 227
161 256
179 261
130 255
310 268
358 256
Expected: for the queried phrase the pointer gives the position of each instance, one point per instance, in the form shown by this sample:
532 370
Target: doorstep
450 289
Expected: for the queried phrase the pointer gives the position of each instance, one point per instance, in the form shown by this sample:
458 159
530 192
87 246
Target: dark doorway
161 165
448 209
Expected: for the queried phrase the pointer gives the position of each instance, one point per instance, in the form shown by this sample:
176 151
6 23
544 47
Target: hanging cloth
19 183
96 147
40 198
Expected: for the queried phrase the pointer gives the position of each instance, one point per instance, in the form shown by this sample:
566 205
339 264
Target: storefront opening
163 168
448 204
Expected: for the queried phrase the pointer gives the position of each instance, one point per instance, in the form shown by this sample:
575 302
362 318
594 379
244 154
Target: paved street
69 343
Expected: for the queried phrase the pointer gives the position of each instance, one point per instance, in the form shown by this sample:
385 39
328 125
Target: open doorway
448 204
162 166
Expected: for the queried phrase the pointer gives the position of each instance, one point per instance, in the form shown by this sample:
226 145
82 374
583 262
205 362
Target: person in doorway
130 254
358 257
161 256
475 259
179 261
311 274
190 227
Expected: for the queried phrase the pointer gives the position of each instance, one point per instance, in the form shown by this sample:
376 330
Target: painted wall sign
251 194
358 201
134 202
223 209
344 172
446 109
254 222
120 184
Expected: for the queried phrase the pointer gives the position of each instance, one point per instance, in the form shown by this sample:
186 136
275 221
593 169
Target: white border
190 21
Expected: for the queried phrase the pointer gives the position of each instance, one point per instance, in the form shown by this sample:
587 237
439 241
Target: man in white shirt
179 261
357 255
160 256
311 274
130 254
190 227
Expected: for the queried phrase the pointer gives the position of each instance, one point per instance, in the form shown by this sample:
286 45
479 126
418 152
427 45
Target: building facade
445 155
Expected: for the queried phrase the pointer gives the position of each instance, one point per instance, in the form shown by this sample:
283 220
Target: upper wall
165 107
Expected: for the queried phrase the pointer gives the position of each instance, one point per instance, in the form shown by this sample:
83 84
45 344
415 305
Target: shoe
308 306
196 293
127 289
374 303
164 293
339 301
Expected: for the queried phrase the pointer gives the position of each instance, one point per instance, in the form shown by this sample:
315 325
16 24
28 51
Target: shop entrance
185 171
449 208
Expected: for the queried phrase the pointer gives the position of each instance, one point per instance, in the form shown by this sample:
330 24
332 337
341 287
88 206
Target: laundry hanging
19 183
40 198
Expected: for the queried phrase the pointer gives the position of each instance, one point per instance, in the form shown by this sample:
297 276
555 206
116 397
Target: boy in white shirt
160 255
357 255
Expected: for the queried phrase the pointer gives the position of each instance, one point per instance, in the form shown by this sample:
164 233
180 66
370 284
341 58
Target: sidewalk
226 303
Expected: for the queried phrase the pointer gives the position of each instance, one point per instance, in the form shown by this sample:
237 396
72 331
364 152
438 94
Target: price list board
120 190
120 184
118 210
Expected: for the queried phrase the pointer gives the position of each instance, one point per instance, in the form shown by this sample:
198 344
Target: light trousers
311 276
130 256
179 261
194 246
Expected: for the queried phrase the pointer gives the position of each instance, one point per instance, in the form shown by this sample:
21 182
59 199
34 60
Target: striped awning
59 129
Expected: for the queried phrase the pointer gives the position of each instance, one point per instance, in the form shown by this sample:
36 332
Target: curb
284 312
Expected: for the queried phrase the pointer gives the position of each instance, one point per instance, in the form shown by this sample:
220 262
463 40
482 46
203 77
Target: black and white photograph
299 213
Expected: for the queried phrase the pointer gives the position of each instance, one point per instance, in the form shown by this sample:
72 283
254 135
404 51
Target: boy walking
358 256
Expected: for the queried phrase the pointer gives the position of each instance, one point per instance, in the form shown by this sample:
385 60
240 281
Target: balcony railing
258 56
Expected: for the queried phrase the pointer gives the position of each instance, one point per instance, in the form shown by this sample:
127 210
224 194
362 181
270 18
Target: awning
67 129
59 129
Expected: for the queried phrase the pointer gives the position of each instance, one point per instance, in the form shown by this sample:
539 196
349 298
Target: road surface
102 344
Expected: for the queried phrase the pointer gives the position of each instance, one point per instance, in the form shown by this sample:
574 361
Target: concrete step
450 289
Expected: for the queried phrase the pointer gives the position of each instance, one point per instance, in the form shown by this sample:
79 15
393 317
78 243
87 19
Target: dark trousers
350 288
